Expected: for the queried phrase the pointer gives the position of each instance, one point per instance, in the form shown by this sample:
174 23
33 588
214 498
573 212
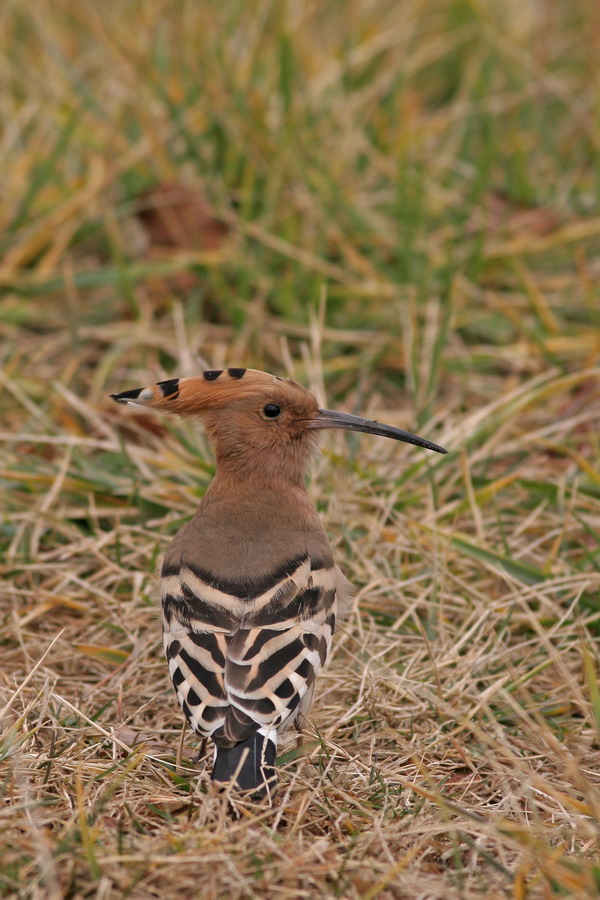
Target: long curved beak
328 418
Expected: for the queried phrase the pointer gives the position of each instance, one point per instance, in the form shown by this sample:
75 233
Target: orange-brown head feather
254 420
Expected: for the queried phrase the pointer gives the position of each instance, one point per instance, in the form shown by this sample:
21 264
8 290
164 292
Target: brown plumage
250 592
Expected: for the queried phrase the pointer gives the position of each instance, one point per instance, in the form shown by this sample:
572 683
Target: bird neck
249 530
243 467
257 478
234 505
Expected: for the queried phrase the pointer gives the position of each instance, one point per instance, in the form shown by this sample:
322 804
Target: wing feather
243 664
271 667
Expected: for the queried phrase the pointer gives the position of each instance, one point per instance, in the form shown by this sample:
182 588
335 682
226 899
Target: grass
409 198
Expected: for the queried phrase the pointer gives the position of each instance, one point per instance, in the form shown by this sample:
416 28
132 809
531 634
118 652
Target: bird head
256 421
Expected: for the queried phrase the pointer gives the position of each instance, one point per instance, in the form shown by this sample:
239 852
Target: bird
249 588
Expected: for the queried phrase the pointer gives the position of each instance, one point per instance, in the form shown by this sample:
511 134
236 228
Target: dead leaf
176 218
498 214
180 217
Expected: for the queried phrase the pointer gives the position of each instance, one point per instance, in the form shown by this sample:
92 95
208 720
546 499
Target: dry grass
409 191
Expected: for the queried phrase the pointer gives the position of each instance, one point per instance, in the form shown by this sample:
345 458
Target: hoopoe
250 591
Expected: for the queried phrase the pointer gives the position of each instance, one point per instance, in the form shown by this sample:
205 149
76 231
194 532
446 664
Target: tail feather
249 764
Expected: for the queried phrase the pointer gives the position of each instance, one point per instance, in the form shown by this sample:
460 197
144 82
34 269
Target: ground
395 204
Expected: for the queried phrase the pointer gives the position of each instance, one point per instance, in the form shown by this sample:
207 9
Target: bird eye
271 410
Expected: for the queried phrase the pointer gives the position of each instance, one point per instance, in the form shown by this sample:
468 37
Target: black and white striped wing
275 654
243 664
196 637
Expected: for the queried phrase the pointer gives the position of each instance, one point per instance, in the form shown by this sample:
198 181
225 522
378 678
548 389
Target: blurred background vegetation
396 203
429 170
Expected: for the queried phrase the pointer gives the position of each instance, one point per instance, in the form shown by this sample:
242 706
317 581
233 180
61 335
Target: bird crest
212 389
